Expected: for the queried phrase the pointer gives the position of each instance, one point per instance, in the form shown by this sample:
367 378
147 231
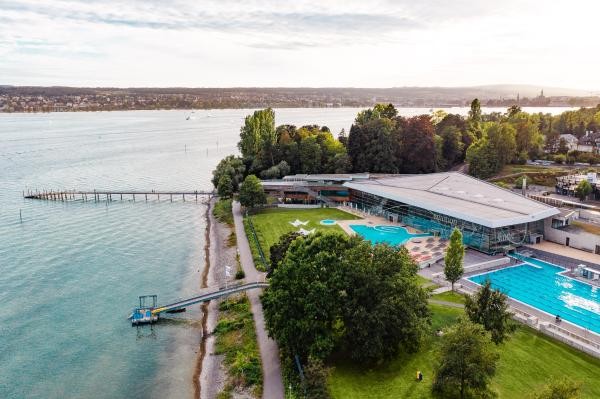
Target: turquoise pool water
538 284
393 235
328 222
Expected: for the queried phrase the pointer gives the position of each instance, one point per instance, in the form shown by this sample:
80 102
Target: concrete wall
580 240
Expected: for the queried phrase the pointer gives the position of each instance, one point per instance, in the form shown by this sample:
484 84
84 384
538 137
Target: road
269 353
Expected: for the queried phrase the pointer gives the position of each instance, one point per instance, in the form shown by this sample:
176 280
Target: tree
278 250
302 302
417 145
475 111
501 137
453 262
452 145
483 160
310 155
384 307
233 167
225 186
583 189
252 193
489 308
333 291
560 389
258 137
466 362
373 146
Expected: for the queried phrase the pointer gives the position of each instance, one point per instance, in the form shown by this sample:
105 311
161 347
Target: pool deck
568 252
567 332
415 245
544 322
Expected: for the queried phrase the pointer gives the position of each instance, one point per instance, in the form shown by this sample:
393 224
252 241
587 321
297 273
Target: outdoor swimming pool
538 284
393 235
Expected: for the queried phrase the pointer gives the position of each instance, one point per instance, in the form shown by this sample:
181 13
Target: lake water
71 272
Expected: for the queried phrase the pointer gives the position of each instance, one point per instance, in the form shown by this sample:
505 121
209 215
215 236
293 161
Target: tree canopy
332 291
466 363
233 167
489 308
251 192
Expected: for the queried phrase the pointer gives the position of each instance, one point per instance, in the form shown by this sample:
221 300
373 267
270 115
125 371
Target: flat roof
458 195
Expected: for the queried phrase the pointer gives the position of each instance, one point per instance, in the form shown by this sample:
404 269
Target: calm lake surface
71 272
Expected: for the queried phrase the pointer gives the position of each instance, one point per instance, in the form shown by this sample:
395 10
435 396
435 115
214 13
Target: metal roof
460 196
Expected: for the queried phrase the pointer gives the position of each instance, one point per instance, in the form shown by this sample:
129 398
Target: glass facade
482 238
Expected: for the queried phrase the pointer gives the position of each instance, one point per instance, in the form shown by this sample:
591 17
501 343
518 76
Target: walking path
269 353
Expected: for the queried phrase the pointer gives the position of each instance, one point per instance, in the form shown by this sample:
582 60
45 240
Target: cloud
270 43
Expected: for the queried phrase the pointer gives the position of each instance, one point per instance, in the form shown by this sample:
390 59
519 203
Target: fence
255 238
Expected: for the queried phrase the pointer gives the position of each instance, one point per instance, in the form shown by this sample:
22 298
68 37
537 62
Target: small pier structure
116 195
148 312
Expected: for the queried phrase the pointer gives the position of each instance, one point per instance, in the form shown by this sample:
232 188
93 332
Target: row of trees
271 152
381 141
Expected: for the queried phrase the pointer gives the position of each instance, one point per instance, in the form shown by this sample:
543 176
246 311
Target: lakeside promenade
269 352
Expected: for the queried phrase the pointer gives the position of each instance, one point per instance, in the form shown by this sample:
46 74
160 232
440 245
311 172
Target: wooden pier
108 195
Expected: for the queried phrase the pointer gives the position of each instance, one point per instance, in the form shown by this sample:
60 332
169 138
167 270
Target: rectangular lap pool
539 284
393 235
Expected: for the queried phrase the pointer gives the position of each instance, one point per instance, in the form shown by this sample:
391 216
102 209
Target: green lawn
270 224
449 296
527 361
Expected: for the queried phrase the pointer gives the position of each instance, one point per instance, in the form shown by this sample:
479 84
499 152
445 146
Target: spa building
492 219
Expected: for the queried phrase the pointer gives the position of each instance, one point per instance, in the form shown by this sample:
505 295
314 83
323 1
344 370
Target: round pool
328 222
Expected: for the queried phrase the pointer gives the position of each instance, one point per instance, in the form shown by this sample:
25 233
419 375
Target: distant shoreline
435 107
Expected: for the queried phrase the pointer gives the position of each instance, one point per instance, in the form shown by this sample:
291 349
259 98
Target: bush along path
271 367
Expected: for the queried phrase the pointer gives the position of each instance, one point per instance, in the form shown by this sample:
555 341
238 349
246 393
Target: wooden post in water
21 215
183 197
146 195
171 197
133 197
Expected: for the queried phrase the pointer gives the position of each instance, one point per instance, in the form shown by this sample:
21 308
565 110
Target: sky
300 43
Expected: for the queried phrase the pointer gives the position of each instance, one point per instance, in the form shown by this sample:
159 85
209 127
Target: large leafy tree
417 148
225 186
258 137
251 192
332 291
373 146
384 308
466 363
489 308
233 167
453 262
302 303
452 145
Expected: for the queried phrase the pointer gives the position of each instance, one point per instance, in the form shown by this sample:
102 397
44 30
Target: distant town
72 99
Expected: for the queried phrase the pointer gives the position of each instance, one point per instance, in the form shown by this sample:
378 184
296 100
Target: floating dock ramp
150 314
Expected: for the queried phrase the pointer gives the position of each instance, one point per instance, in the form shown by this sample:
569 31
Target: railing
255 237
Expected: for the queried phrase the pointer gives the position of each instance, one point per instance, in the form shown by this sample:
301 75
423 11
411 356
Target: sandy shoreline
210 375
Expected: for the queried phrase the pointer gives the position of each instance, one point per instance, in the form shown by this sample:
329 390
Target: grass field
270 224
528 361
449 296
